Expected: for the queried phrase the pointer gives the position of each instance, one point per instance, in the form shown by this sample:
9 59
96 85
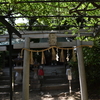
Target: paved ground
53 95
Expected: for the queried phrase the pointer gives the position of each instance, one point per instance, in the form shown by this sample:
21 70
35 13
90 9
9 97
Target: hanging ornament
21 53
31 58
37 53
67 55
53 54
43 61
73 55
48 50
67 51
19 56
57 57
62 56
57 50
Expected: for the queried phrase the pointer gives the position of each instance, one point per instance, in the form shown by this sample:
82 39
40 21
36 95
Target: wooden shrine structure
27 35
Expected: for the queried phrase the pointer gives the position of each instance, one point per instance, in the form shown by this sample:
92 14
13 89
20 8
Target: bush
91 63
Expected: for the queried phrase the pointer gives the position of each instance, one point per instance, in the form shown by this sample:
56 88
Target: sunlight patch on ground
17 92
62 98
58 98
70 98
42 98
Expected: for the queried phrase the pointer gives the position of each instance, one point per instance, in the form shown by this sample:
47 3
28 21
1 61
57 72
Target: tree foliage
39 13
91 63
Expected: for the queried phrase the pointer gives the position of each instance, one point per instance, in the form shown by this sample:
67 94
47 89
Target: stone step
18 88
4 78
1 73
55 87
5 88
60 87
55 80
4 82
4 93
34 84
55 76
53 70
75 85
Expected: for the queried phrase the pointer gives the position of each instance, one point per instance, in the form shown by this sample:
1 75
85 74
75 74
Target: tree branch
95 5
70 11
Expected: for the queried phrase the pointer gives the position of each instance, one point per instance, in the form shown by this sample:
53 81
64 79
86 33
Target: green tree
36 10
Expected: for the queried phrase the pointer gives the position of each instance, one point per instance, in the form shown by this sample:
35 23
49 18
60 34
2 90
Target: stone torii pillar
25 95
81 70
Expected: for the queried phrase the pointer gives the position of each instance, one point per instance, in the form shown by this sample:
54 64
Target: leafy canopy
36 11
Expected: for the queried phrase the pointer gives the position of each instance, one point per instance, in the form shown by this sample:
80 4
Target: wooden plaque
52 39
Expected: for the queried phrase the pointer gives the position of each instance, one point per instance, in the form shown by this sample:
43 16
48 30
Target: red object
41 72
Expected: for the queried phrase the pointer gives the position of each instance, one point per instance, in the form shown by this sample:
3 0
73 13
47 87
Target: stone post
25 95
81 68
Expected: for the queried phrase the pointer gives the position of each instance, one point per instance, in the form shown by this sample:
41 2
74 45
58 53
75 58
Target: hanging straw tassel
67 58
43 58
31 58
73 56
62 59
53 54
21 53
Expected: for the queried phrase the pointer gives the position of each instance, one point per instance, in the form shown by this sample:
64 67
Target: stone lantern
18 69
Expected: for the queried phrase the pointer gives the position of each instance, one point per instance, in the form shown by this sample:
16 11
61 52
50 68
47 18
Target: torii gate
44 34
